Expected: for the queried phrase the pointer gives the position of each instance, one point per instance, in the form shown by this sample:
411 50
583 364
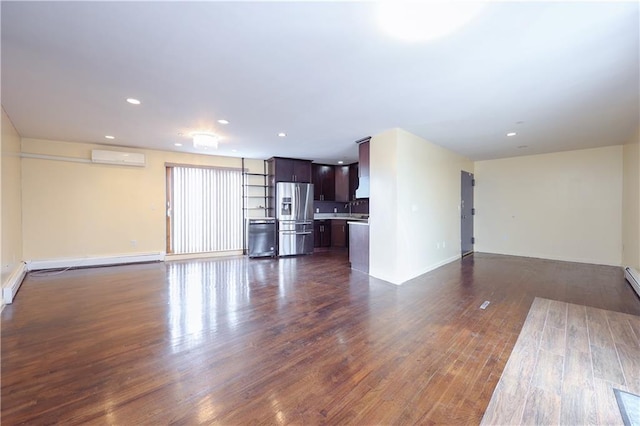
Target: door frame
467 212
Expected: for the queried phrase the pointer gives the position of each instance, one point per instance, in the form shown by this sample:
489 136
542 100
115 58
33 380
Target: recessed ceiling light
234 150
223 121
523 146
282 134
177 144
133 101
110 137
511 134
340 162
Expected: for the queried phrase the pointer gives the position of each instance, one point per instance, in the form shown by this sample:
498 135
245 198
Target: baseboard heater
13 284
633 277
89 262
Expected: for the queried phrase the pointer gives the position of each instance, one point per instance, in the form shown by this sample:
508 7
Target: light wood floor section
565 363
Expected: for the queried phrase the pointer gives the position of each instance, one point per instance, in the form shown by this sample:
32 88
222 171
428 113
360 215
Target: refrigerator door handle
297 201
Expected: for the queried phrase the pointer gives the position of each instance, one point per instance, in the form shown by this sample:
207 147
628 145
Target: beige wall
561 206
11 215
631 203
565 206
78 210
414 205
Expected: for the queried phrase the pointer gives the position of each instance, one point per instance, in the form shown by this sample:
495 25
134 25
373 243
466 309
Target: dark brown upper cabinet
289 170
353 181
324 182
363 169
343 177
363 159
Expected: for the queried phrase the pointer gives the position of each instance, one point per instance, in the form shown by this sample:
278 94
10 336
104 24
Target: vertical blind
206 210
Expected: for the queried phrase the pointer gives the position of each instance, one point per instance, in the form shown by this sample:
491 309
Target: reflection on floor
301 340
565 365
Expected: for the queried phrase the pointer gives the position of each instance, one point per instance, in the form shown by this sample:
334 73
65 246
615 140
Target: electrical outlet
134 243
444 244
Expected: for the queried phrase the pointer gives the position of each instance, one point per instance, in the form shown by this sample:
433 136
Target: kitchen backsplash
359 206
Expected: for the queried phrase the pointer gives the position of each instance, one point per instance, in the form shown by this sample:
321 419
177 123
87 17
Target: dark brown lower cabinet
339 233
322 233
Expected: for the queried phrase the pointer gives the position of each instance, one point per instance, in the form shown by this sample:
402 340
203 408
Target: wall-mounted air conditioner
115 157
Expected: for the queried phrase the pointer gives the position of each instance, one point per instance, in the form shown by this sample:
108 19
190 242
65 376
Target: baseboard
84 262
422 272
552 257
436 266
10 288
633 277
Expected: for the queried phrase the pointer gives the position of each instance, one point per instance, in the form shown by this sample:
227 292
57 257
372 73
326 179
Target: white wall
631 203
565 206
83 210
383 206
11 214
414 205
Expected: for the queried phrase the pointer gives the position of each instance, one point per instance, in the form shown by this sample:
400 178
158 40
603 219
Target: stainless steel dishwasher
262 237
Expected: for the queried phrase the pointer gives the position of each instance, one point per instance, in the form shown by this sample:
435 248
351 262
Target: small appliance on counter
294 211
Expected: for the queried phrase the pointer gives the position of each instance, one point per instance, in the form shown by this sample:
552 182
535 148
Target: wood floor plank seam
564 363
618 359
575 401
521 409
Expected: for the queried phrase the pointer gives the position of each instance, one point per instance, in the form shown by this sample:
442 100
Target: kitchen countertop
359 222
341 216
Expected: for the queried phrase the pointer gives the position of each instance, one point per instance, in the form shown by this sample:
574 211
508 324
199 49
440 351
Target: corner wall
631 203
10 211
563 206
414 205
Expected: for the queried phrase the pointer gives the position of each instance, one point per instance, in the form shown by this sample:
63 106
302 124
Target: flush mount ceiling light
511 134
177 144
133 101
282 134
223 121
422 21
109 137
340 162
205 140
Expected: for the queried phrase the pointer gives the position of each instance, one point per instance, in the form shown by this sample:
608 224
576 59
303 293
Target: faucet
348 205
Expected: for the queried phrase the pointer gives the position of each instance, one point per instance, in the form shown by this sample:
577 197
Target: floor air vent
634 279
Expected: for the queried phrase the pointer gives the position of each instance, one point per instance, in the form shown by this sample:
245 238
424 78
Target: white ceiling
562 75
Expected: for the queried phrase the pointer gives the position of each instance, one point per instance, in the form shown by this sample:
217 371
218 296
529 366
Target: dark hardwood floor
266 341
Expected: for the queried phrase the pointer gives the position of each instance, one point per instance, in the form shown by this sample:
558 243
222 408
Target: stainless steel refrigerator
294 211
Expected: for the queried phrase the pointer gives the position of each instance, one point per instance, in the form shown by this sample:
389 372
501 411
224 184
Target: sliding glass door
204 209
